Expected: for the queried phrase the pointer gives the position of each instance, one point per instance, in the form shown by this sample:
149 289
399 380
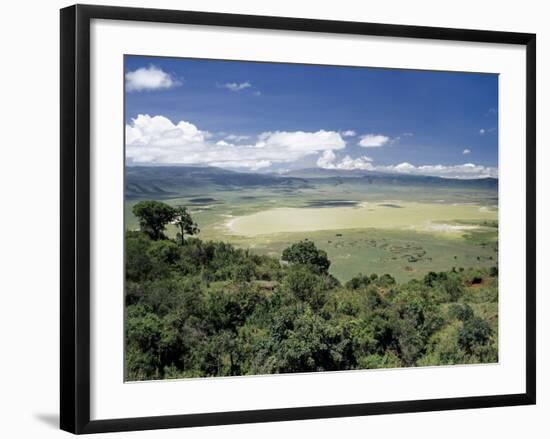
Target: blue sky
271 117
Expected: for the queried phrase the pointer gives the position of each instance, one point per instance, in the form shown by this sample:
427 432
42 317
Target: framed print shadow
268 219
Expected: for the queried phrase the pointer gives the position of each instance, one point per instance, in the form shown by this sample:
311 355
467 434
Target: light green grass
435 229
387 215
403 254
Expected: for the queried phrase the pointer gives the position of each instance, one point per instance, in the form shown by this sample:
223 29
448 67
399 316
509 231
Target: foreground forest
203 308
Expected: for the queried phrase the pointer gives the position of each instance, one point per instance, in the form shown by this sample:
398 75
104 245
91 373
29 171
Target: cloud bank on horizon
157 140
267 132
463 171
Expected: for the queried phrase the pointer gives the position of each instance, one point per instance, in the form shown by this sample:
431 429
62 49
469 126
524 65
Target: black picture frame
75 217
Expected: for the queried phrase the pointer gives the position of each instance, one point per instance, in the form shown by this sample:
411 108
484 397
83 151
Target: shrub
306 253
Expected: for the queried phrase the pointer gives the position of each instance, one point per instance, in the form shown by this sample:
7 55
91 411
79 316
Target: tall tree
185 223
305 252
153 217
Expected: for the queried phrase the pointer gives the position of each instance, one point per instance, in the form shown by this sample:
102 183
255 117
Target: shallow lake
439 218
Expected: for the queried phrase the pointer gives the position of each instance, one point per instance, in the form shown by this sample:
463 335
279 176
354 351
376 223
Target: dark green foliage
418 318
199 309
306 253
138 263
163 252
453 286
376 361
153 217
143 334
461 312
184 223
433 278
386 280
243 273
358 282
474 332
306 285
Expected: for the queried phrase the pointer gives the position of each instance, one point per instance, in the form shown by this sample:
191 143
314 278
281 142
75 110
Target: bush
452 285
461 312
358 282
305 253
375 361
386 280
474 332
305 285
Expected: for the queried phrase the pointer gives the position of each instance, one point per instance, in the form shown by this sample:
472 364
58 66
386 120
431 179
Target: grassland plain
382 227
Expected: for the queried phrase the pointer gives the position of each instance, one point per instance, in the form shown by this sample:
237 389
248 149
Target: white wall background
29 186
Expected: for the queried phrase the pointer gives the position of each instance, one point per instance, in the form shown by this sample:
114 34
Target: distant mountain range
171 181
387 177
167 181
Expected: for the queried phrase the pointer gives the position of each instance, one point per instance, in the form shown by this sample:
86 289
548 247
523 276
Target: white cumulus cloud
301 141
373 140
156 139
327 160
466 151
463 171
236 86
149 78
348 133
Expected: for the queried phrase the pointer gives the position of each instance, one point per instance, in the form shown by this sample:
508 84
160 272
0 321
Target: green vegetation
184 223
402 225
154 216
305 253
204 308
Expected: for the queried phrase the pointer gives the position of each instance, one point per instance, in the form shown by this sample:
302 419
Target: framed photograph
268 219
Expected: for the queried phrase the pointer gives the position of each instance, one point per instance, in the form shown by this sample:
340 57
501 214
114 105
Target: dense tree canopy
153 217
199 308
